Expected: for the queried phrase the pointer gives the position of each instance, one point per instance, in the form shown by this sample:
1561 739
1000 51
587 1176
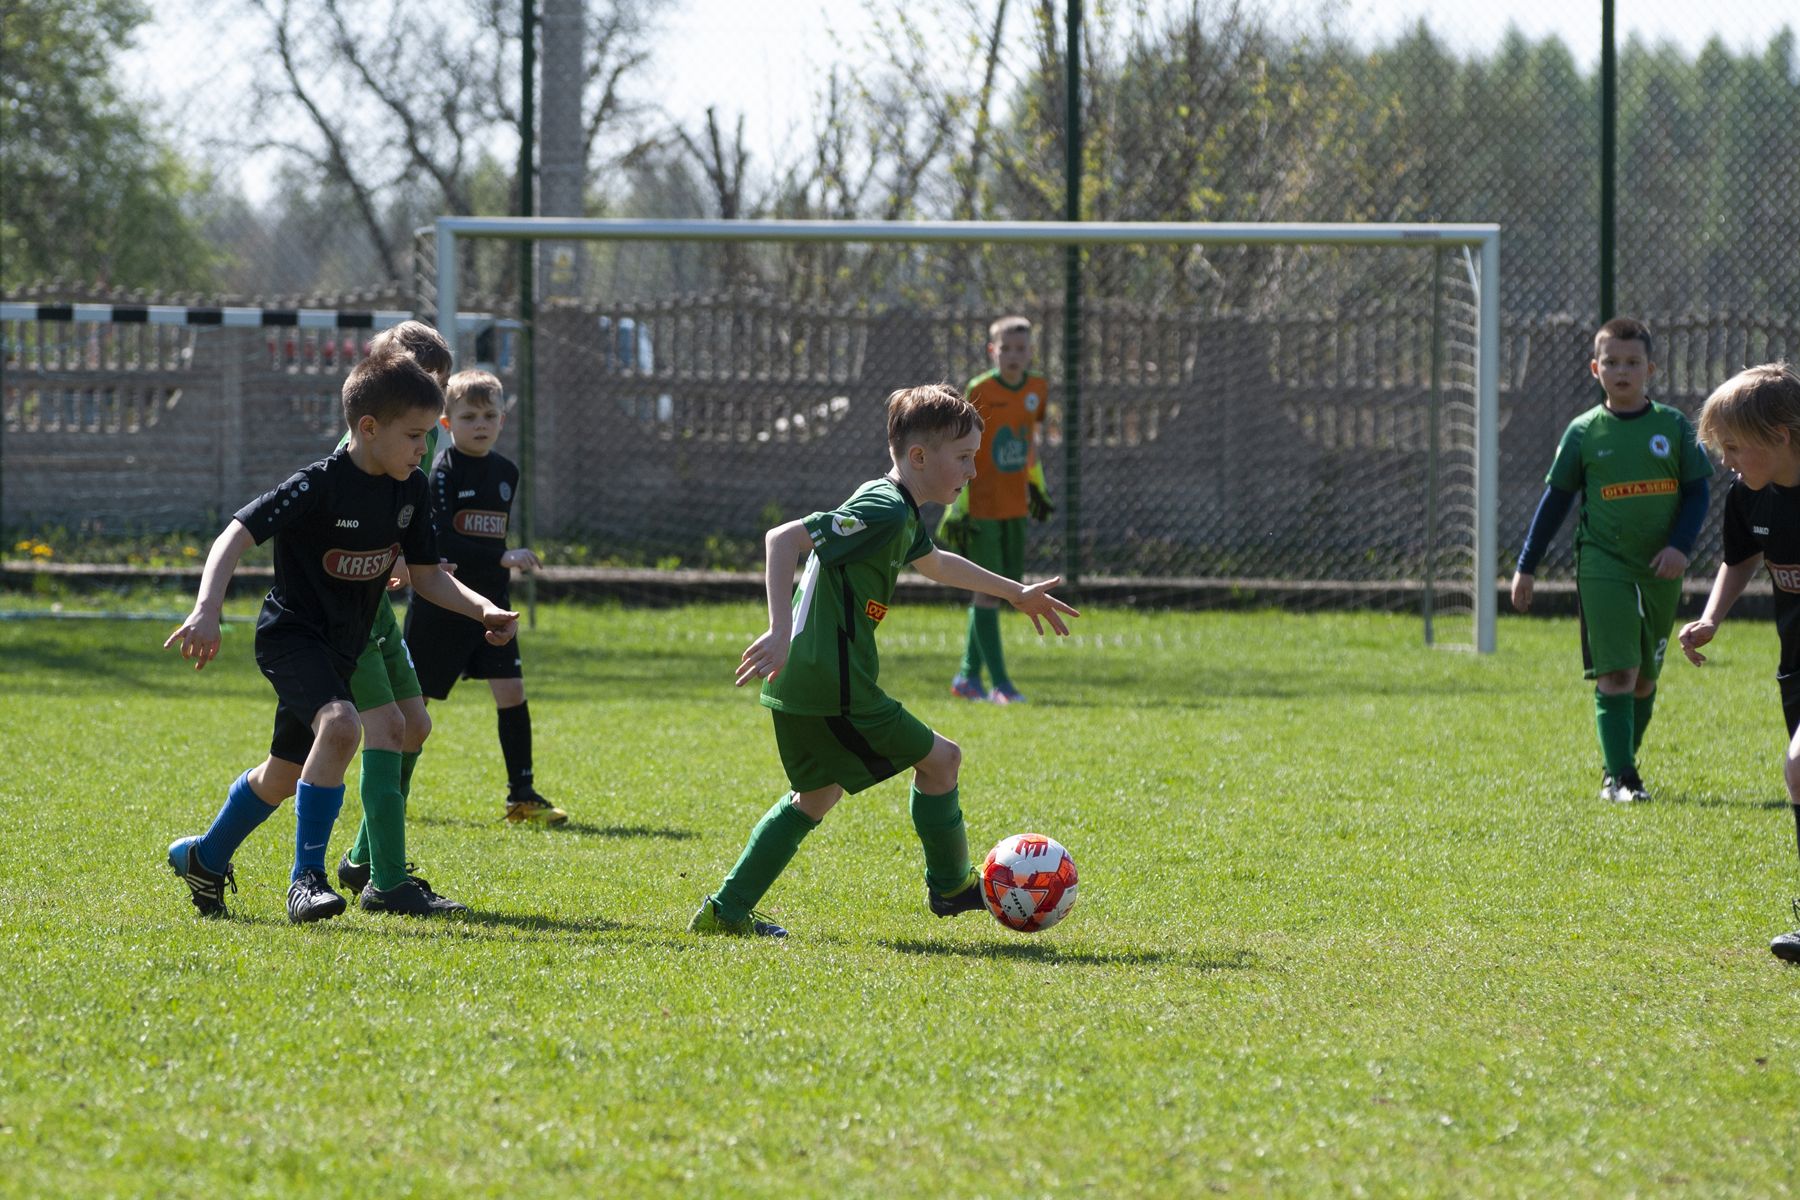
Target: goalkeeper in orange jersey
986 524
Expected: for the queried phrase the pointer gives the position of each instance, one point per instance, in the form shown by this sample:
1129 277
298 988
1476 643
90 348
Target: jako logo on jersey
361 565
876 610
1641 487
465 493
1785 576
1659 445
346 523
845 526
476 522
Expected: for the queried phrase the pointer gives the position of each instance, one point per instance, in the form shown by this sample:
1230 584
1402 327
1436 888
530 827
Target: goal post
1469 325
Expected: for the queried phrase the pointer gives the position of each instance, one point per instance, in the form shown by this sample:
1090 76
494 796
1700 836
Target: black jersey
1767 522
471 507
337 531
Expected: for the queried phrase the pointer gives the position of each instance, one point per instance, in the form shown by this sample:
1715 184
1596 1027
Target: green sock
359 853
939 822
1641 708
1612 717
384 817
771 847
987 633
971 660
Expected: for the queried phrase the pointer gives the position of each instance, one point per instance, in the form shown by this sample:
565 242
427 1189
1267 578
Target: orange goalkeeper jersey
1010 416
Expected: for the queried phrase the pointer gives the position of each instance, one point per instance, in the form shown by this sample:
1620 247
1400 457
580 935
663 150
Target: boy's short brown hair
418 339
474 385
1005 325
931 412
388 386
1754 406
1626 329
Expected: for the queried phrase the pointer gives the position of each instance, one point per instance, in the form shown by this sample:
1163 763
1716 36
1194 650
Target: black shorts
448 646
307 677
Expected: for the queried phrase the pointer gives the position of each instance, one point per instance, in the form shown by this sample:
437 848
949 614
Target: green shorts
855 753
1626 625
998 545
384 672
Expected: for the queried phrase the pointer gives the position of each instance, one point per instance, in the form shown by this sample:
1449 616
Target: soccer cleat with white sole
205 888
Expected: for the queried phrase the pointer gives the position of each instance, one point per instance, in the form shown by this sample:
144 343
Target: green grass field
1352 920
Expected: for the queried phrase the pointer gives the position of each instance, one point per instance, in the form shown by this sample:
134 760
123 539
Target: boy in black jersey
472 490
338 526
1753 423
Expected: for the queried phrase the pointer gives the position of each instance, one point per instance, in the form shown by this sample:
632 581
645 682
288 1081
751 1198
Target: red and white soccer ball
1028 882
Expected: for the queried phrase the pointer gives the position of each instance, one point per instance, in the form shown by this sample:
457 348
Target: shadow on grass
1715 801
1226 960
472 923
567 828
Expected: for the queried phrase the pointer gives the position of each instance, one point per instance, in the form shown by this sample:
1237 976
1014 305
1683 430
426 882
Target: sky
765 57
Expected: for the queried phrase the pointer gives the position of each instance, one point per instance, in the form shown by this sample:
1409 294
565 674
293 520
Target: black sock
515 747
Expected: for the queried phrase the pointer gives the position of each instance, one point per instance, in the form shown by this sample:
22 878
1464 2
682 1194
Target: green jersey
1629 471
858 550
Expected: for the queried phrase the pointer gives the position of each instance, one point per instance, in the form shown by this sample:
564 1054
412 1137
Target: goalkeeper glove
1037 495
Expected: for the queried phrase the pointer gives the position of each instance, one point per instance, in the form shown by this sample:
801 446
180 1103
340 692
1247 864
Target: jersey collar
906 496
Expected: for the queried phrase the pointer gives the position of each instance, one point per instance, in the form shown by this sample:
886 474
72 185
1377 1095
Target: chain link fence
654 360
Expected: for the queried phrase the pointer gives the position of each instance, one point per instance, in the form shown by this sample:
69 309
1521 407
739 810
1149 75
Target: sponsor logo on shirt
1785 576
876 610
1640 487
360 566
476 522
1760 530
1659 445
465 493
346 523
846 526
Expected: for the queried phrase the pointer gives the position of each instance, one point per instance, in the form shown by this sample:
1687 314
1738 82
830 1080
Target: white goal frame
1482 239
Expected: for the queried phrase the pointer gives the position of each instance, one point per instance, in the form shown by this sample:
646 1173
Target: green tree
87 190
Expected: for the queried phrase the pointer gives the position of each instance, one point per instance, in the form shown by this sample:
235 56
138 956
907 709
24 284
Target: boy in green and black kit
1641 476
837 731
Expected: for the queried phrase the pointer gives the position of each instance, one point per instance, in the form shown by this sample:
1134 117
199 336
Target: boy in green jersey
836 730
388 699
1641 477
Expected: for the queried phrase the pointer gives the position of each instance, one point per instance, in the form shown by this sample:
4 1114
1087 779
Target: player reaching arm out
1034 600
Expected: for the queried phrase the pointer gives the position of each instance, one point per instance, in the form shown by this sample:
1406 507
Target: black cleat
1786 947
966 898
310 898
414 898
205 888
352 878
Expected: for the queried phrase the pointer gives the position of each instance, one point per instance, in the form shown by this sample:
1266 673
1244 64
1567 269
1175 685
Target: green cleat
708 920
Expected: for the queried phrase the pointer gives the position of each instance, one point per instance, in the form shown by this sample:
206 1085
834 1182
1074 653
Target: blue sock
237 820
315 812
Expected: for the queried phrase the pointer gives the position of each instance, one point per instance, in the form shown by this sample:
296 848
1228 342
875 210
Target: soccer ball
1028 882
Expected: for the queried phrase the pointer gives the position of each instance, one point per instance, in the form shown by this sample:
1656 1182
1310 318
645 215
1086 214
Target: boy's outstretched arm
1035 600
199 634
431 582
782 547
1728 585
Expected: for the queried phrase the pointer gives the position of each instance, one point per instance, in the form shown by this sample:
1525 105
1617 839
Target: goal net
1296 415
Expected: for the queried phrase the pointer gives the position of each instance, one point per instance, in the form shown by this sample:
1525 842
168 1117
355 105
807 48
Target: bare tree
378 98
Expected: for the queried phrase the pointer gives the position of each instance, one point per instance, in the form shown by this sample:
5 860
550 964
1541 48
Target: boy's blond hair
1005 325
1754 406
474 385
931 412
425 344
387 386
